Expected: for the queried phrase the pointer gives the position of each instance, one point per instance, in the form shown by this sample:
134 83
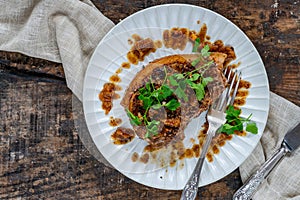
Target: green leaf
152 128
235 122
226 128
205 51
182 84
180 93
195 77
196 45
173 81
179 76
196 61
133 119
148 86
143 91
147 101
252 128
156 93
206 80
200 92
156 106
232 112
166 92
191 84
147 135
172 105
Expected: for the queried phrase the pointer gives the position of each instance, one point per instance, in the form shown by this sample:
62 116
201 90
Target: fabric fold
284 181
66 32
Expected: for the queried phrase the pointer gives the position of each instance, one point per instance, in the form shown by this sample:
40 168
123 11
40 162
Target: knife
290 143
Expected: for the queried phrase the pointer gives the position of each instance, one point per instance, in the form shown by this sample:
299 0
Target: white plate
111 52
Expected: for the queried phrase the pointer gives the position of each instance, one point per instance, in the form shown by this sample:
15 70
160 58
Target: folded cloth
68 32
284 181
64 31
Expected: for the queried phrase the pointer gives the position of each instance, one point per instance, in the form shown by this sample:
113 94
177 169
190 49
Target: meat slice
173 123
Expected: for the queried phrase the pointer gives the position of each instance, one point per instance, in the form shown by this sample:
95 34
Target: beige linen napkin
64 31
68 31
284 181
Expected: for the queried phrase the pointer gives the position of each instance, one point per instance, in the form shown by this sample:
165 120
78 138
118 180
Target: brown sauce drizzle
144 158
218 46
125 65
106 96
115 78
119 70
176 38
244 84
135 157
141 48
202 33
122 136
114 121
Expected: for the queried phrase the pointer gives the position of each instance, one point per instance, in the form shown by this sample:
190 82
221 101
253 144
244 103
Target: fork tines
227 97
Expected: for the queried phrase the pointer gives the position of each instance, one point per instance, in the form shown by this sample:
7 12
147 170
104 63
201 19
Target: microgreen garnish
133 119
152 128
236 123
156 97
196 45
205 51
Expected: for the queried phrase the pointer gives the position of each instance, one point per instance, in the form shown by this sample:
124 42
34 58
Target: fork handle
191 188
252 184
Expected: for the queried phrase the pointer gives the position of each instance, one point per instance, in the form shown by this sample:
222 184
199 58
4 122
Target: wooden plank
41 154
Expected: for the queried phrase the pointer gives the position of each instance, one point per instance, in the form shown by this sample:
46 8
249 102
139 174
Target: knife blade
292 138
290 143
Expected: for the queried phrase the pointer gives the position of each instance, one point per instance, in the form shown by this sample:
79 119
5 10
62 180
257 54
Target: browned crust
143 76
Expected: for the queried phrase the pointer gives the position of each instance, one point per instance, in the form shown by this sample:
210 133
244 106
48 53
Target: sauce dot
115 78
135 157
125 65
158 43
209 157
196 149
189 153
119 70
244 84
122 136
216 149
144 158
116 96
239 101
115 121
118 88
173 159
140 49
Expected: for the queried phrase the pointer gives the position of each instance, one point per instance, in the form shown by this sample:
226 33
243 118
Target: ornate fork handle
252 184
191 188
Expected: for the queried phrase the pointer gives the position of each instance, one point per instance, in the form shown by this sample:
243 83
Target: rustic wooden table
41 154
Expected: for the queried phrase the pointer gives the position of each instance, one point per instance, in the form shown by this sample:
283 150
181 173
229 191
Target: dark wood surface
41 154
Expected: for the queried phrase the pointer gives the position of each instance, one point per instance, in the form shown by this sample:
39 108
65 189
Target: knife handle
252 184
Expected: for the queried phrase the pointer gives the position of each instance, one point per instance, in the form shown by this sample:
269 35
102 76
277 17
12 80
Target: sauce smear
122 135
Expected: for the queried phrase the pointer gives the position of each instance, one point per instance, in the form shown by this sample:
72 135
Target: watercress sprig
156 97
236 123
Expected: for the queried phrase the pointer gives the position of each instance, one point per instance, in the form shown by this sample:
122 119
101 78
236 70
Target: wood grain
41 154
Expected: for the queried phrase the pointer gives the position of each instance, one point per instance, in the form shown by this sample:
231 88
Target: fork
215 118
